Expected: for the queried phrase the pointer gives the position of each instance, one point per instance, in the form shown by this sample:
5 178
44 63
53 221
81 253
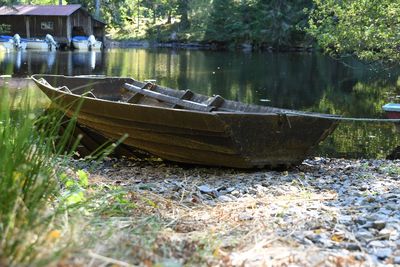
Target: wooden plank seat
137 97
209 106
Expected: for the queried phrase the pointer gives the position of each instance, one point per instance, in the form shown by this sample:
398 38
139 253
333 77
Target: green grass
32 208
48 209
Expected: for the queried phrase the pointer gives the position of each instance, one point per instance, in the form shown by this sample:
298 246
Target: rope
344 119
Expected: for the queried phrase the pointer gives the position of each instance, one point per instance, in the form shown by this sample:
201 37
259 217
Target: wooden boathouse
61 21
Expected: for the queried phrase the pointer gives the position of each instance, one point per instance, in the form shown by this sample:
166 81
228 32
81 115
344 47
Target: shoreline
324 210
246 47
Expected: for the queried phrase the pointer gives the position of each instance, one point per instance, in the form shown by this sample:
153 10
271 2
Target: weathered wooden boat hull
219 138
91 142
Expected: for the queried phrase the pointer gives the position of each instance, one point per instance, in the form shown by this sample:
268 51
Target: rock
369 199
345 219
360 220
385 211
229 189
378 244
235 193
392 206
364 187
379 225
205 189
224 198
364 235
245 217
391 233
359 257
383 253
367 225
350 246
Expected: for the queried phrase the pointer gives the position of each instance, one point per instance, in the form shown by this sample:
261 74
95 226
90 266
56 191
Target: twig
107 259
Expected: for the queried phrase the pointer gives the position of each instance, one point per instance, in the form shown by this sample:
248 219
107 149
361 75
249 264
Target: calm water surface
311 82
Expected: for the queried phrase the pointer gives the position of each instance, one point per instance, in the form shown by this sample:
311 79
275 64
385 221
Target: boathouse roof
39 10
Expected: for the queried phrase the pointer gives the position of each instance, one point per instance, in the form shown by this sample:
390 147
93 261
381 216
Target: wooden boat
186 127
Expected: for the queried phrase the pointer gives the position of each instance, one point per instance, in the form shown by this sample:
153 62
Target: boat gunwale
275 111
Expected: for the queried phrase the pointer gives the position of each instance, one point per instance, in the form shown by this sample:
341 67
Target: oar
170 99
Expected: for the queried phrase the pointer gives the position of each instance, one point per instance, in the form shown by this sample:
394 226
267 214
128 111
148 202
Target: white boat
86 43
9 43
38 44
6 43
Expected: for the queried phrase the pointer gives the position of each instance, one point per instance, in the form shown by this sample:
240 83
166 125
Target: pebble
360 220
205 189
383 253
364 235
351 246
224 198
245 217
343 207
345 219
377 243
379 225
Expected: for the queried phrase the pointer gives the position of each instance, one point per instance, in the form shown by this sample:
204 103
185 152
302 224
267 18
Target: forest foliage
368 29
274 23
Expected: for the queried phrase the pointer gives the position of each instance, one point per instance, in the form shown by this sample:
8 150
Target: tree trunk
183 10
97 8
154 13
169 17
138 14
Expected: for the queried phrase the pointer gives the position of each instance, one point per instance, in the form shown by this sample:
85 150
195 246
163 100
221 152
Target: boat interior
128 90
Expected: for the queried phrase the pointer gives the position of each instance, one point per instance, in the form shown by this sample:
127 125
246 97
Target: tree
369 29
183 11
277 22
221 20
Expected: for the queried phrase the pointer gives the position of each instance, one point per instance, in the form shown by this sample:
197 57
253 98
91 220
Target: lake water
303 81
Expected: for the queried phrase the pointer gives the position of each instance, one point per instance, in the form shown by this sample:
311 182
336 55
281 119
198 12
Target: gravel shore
325 212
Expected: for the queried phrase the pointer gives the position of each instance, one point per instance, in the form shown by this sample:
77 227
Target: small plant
392 170
74 187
